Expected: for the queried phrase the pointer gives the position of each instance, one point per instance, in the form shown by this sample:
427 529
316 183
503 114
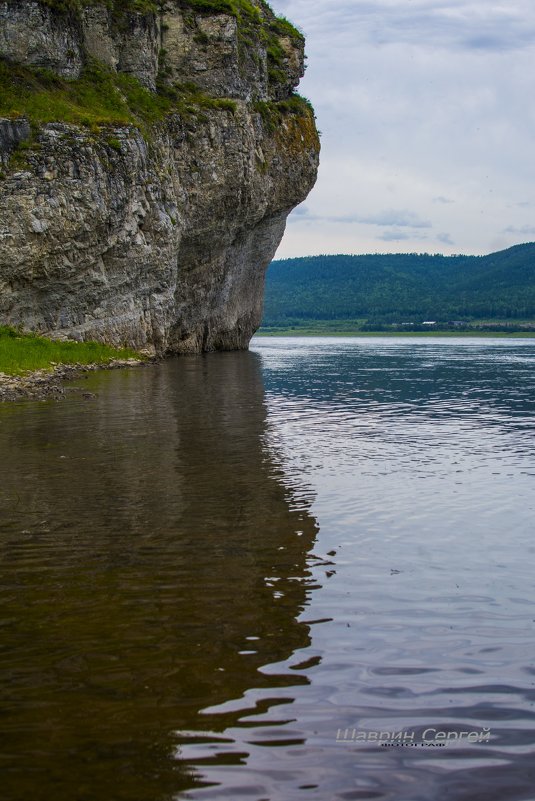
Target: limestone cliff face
158 234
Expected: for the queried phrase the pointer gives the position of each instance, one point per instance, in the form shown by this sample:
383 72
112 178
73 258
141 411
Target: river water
240 576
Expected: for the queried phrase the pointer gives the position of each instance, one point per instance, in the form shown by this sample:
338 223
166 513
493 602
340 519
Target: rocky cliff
150 154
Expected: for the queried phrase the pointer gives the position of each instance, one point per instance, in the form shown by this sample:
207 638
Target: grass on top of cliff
21 353
99 97
243 10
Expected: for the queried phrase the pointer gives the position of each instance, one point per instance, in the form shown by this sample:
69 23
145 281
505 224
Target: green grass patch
21 353
190 95
99 97
118 6
273 112
283 27
235 8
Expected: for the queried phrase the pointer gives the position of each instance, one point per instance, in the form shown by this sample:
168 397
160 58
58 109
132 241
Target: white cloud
394 236
402 218
424 107
524 230
465 24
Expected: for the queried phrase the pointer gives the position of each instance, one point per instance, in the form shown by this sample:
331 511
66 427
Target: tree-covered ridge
402 288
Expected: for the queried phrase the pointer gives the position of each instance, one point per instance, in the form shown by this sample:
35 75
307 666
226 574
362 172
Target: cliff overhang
150 156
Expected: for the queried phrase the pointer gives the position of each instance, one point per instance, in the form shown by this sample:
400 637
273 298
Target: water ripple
218 563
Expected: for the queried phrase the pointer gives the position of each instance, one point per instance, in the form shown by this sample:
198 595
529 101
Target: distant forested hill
402 288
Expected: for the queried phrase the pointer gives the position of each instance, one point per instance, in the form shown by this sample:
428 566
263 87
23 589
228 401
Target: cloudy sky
427 114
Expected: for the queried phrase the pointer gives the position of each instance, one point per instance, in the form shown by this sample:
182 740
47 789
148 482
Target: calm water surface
217 564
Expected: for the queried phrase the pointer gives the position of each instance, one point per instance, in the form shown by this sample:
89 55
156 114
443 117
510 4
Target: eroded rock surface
157 237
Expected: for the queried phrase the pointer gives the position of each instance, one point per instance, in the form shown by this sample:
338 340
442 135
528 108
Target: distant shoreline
292 332
377 291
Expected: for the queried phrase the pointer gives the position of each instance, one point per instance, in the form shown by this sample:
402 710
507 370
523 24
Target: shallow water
218 564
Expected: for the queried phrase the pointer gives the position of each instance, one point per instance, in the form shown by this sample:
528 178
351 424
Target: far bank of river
310 332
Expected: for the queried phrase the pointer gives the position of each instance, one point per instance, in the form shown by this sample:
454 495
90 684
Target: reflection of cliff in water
146 534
